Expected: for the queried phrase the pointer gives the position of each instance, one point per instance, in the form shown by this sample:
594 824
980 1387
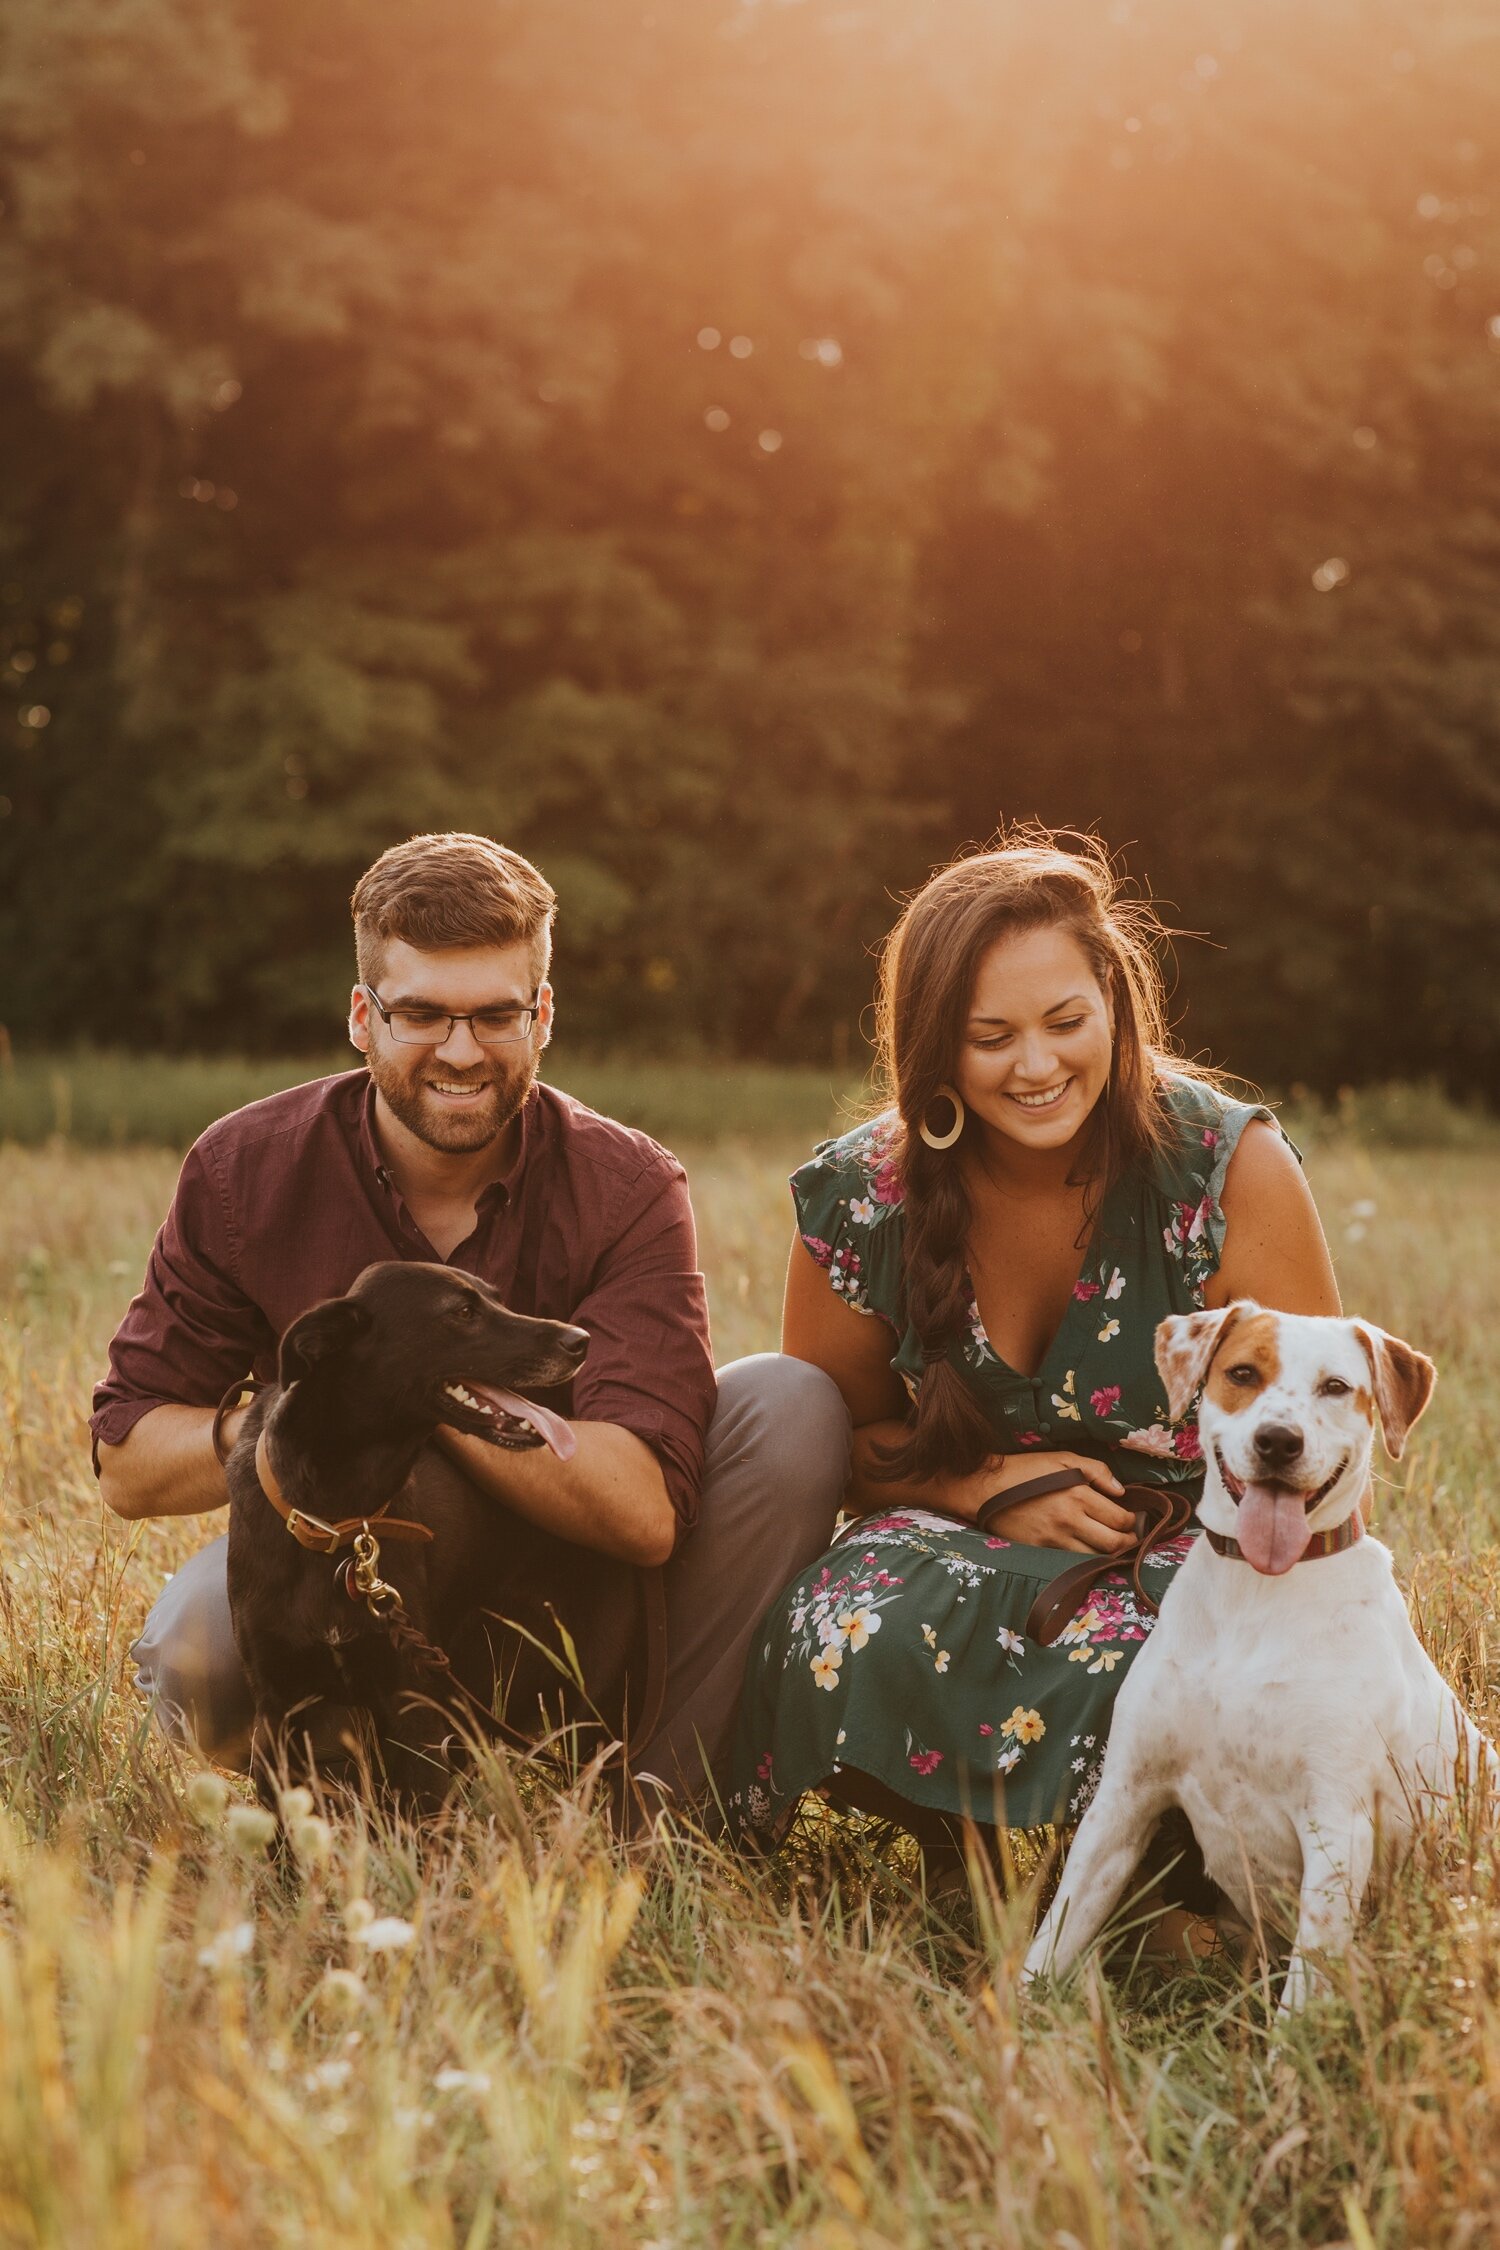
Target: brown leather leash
654 1600
1160 1513
238 1394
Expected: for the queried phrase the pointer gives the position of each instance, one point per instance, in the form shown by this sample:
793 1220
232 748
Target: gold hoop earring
945 1140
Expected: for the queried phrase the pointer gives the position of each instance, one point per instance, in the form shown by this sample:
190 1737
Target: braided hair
1031 878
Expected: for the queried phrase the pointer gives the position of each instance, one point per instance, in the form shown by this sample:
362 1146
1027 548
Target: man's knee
187 1663
790 1419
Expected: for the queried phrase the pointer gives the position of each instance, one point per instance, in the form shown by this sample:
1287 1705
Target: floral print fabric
902 1651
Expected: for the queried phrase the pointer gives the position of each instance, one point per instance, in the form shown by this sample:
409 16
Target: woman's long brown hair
1032 879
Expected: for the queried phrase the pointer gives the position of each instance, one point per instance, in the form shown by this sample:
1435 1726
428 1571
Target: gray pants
777 1462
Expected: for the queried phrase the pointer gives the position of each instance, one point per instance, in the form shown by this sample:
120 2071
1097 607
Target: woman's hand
1086 1518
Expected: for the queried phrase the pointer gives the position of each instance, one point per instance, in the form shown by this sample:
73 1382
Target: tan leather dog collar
311 1531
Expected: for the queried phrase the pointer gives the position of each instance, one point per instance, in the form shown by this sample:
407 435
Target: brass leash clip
367 1579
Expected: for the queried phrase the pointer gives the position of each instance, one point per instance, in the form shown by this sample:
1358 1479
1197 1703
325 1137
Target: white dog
1283 1700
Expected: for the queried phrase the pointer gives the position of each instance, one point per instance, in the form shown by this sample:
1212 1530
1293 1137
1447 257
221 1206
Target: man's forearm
611 1495
167 1465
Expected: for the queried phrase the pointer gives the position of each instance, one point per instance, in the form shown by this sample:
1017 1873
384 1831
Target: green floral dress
901 1652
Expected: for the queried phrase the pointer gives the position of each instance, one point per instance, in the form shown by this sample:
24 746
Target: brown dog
364 1381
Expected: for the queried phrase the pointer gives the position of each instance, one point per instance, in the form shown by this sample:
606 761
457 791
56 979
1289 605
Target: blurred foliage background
737 454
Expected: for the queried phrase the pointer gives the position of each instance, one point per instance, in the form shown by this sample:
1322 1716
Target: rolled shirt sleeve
650 1366
192 1330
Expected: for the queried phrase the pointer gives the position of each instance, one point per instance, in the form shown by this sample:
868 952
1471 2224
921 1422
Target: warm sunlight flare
749 1065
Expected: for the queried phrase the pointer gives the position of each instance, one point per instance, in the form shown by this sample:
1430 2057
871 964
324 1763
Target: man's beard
455 1132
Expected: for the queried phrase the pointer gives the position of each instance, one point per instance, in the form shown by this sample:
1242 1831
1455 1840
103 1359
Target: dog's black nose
574 1340
1278 1444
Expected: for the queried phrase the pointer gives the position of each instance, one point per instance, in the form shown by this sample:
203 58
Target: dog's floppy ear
1185 1343
315 1336
1403 1383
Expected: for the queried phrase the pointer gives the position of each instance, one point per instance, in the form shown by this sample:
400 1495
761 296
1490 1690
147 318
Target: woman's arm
1274 1249
855 1349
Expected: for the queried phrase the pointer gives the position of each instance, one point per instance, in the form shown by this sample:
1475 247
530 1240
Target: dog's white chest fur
1273 1710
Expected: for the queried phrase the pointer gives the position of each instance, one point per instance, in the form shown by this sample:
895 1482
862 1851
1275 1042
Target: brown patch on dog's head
1186 1344
1404 1380
1239 1376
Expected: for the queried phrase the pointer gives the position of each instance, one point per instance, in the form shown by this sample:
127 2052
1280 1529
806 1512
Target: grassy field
519 2033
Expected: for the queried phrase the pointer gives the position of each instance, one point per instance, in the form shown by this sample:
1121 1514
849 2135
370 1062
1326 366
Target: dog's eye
1333 1386
1244 1377
465 1309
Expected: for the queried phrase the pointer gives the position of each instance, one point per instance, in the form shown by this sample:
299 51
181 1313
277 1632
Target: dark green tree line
737 453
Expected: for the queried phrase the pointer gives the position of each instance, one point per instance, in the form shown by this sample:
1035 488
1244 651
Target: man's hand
611 1495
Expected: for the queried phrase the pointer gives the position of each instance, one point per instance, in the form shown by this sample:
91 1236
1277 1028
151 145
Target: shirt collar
499 1192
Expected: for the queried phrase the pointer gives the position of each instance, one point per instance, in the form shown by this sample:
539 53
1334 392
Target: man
448 1147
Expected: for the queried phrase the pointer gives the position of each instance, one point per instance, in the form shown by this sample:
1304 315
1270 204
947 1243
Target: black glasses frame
529 1011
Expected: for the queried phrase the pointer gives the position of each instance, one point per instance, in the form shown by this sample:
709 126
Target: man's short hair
451 890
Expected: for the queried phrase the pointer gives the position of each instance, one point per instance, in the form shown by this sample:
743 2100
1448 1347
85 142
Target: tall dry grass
516 2031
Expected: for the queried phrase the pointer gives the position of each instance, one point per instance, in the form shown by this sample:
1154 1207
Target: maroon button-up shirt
286 1202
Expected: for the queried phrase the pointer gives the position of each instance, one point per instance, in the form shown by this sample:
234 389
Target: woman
981 1271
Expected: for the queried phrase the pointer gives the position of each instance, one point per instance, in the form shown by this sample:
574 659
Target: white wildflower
312 1841
461 2082
339 1991
229 1946
327 2077
207 1796
250 1827
389 1934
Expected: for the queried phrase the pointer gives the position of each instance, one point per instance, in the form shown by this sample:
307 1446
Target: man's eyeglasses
432 1027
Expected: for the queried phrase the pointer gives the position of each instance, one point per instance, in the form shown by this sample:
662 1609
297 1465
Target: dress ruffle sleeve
848 1202
1193 1175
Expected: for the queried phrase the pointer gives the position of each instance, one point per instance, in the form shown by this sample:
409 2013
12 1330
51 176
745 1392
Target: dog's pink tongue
1273 1530
549 1427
